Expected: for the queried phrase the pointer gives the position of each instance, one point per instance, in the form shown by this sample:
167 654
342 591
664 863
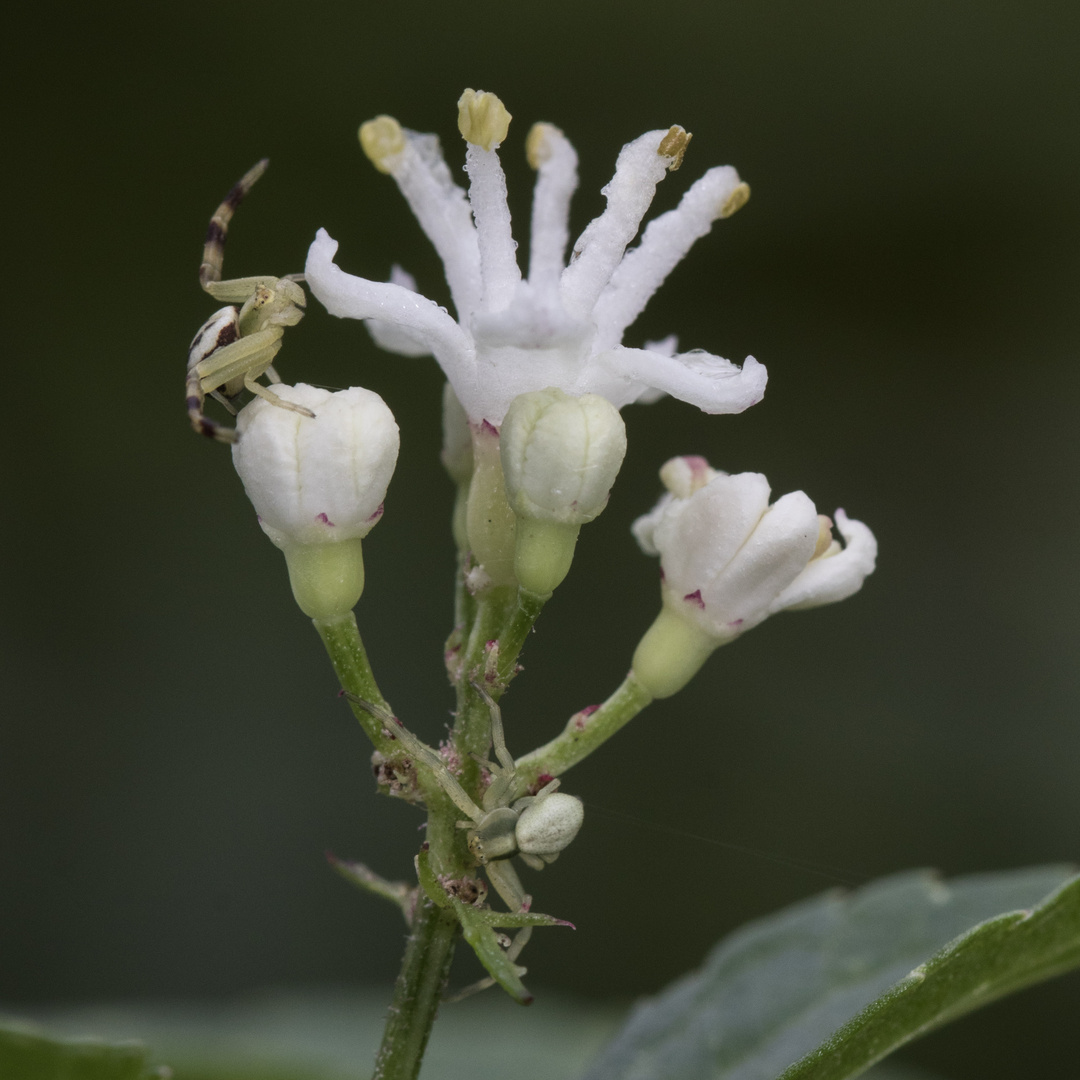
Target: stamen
736 201
600 248
382 139
549 152
482 119
673 145
825 539
484 122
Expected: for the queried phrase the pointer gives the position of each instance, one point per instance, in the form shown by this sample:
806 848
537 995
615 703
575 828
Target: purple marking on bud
488 428
378 513
735 622
695 598
696 464
663 576
325 520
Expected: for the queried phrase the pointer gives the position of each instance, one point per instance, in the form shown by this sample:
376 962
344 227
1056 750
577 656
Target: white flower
562 325
318 485
729 559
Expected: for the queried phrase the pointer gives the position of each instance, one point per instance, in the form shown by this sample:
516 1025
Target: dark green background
173 760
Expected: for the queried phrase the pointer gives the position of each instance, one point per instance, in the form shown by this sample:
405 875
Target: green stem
341 636
512 639
419 987
583 734
472 728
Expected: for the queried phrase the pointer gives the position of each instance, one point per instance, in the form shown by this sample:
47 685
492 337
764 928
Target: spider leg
281 403
203 425
508 885
445 778
218 229
272 375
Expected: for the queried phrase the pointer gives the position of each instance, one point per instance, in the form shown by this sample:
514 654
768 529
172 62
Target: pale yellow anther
673 145
735 201
382 140
482 119
538 144
824 536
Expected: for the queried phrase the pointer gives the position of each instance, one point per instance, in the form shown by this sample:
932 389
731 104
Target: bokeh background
173 760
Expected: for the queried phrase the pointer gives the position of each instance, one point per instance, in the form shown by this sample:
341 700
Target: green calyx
326 579
670 654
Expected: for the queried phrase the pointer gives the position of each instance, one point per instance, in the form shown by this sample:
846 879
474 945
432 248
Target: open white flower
562 325
729 560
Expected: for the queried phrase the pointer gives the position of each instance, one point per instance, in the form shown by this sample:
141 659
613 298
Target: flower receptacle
327 579
543 554
670 654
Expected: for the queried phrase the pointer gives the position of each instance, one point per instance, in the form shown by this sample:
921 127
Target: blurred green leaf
829 983
26 1053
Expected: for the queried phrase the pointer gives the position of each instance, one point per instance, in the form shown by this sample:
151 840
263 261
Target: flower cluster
536 376
561 325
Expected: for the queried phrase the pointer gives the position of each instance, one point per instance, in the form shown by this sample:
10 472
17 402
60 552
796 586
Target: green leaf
811 984
28 1054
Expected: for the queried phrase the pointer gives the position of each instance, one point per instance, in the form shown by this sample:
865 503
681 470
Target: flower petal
392 337
663 246
713 384
439 204
700 536
772 557
353 297
834 577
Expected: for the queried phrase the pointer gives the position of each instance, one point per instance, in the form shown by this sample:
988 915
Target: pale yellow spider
235 346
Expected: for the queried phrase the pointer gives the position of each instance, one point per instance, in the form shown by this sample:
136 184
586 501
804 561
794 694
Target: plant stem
472 728
341 636
584 732
512 639
419 987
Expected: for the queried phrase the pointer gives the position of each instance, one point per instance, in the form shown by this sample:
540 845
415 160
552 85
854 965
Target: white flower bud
560 456
729 560
318 485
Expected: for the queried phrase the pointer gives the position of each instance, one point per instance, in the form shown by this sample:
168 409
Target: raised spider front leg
218 230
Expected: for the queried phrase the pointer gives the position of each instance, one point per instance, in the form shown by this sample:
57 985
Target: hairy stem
419 987
341 636
584 732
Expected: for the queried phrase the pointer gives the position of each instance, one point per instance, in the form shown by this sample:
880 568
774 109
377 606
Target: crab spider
535 827
235 346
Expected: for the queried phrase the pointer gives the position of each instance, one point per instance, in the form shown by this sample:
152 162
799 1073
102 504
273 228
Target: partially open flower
729 559
318 485
561 325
